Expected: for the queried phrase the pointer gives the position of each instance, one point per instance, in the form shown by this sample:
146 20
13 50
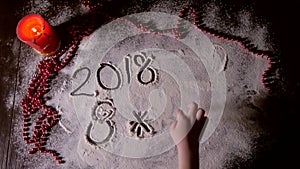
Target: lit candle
38 33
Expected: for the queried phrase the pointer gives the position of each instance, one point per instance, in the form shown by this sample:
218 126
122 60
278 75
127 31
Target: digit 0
117 72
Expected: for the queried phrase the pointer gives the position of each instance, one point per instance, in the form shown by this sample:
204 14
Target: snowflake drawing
141 126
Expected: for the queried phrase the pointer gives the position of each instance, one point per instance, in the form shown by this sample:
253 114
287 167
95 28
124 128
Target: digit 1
127 68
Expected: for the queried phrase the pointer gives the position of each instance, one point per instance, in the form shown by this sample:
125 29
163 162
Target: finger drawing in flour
146 66
141 126
102 128
74 92
115 69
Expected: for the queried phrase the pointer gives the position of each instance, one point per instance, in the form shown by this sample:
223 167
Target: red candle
38 33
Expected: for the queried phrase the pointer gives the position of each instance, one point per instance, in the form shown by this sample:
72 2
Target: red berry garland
34 101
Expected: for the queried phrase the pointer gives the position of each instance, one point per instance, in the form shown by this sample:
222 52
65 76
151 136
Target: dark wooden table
284 33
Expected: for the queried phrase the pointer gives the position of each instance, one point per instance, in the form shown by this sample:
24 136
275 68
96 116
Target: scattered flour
233 136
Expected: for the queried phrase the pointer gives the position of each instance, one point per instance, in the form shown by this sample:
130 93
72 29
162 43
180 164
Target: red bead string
39 85
244 42
198 23
34 101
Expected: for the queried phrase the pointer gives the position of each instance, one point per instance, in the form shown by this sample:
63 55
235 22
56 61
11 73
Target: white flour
233 136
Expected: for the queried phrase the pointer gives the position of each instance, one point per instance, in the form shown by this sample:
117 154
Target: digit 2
73 93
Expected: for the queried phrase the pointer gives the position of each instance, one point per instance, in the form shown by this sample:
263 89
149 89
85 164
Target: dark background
282 104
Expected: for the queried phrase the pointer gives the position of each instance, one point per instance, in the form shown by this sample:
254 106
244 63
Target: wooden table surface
280 15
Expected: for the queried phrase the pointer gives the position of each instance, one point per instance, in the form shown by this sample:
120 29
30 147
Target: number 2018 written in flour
140 60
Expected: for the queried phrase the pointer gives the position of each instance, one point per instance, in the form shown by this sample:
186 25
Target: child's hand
182 127
185 133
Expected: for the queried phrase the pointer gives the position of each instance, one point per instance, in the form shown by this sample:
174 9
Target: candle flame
34 30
